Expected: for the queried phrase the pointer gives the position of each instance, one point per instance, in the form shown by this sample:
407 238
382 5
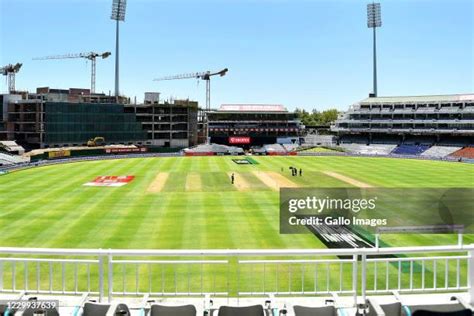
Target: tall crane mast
206 76
92 56
10 71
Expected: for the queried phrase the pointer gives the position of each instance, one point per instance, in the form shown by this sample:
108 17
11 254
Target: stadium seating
386 309
7 159
161 310
290 147
349 139
400 308
11 147
410 150
274 149
361 149
423 312
383 305
254 310
311 311
34 312
439 151
95 309
466 152
211 149
98 309
318 140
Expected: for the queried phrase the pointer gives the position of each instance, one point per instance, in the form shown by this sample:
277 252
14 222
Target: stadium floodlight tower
374 20
118 14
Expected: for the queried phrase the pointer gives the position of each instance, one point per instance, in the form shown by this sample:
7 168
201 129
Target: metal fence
110 273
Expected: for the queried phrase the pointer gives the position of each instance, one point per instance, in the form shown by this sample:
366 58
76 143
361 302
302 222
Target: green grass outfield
49 206
197 206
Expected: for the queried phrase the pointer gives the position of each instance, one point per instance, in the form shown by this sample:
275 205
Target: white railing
49 276
308 272
420 264
238 272
164 277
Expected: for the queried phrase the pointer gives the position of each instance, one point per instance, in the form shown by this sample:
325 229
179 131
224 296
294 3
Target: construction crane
206 76
10 71
90 56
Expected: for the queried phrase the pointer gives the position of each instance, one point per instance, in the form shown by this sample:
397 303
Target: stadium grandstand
249 125
9 159
11 153
11 147
427 126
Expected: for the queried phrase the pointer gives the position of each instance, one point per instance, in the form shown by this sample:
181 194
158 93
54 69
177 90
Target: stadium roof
421 98
252 108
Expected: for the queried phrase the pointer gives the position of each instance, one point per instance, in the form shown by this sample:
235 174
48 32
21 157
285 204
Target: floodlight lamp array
374 16
118 10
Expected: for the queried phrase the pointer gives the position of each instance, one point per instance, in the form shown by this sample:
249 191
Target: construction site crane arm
198 75
88 55
181 76
66 56
206 76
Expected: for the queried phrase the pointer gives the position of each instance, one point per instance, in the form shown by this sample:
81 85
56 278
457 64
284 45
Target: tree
317 118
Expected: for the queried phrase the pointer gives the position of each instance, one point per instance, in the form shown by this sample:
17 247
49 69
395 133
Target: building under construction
167 124
57 118
71 117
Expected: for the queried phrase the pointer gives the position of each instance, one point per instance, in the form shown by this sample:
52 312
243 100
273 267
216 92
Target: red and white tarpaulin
110 181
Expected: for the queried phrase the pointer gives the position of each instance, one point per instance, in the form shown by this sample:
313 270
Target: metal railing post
364 276
355 276
1 275
110 278
471 276
460 239
101 277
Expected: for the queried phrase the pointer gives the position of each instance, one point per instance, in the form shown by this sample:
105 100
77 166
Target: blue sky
300 53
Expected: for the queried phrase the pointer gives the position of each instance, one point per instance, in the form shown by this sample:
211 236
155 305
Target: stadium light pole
118 14
374 20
